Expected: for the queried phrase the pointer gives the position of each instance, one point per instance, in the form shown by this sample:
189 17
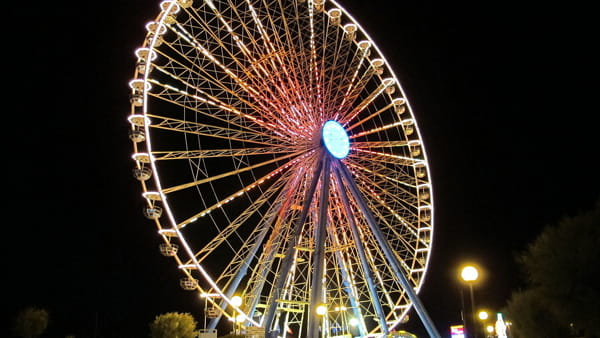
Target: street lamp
490 330
470 274
236 301
321 311
483 316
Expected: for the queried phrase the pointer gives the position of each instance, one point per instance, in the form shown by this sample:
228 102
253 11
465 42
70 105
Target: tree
562 272
532 316
173 325
31 322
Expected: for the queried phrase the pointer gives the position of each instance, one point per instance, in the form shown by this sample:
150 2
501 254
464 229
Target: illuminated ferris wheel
281 163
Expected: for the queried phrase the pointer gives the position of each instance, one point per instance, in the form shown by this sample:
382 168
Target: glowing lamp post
490 330
483 316
236 301
321 310
470 274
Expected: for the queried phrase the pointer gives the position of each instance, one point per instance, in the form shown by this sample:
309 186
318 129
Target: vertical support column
360 248
389 254
316 296
240 274
291 252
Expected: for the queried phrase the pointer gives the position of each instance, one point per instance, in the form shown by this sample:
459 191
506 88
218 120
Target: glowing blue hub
335 139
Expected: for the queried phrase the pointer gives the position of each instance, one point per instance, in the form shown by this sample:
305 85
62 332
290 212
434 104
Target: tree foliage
531 316
562 271
173 325
31 322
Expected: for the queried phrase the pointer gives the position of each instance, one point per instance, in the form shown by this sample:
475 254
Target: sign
457 331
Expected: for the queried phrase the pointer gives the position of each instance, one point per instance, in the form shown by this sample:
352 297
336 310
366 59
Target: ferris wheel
282 166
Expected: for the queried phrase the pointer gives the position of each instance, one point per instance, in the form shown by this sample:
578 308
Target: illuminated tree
31 322
173 325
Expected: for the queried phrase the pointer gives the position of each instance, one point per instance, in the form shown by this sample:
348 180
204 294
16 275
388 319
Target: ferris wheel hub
335 139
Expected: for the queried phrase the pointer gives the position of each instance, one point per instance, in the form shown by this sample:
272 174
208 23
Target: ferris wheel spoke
279 97
391 182
237 268
315 74
214 108
369 117
230 277
263 69
183 66
373 156
251 245
288 87
240 263
243 217
229 65
378 129
397 105
213 131
336 62
181 73
403 241
210 153
386 198
286 59
296 64
226 174
400 183
364 103
406 241
269 263
350 90
379 144
398 198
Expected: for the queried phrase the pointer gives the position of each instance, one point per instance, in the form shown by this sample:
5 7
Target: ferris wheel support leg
291 252
241 273
316 297
360 248
398 270
237 279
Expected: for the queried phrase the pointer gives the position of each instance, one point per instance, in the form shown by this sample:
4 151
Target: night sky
504 95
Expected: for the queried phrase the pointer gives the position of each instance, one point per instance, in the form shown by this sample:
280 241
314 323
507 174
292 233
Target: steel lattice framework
228 102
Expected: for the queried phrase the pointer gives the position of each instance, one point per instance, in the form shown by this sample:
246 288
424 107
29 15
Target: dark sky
503 94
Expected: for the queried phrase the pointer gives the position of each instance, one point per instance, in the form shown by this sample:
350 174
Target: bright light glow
353 322
335 139
210 295
321 310
490 328
469 273
483 315
236 301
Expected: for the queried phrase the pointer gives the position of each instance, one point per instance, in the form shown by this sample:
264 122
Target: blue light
335 139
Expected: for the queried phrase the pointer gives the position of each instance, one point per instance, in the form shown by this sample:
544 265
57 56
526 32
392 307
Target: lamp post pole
482 316
469 274
473 321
